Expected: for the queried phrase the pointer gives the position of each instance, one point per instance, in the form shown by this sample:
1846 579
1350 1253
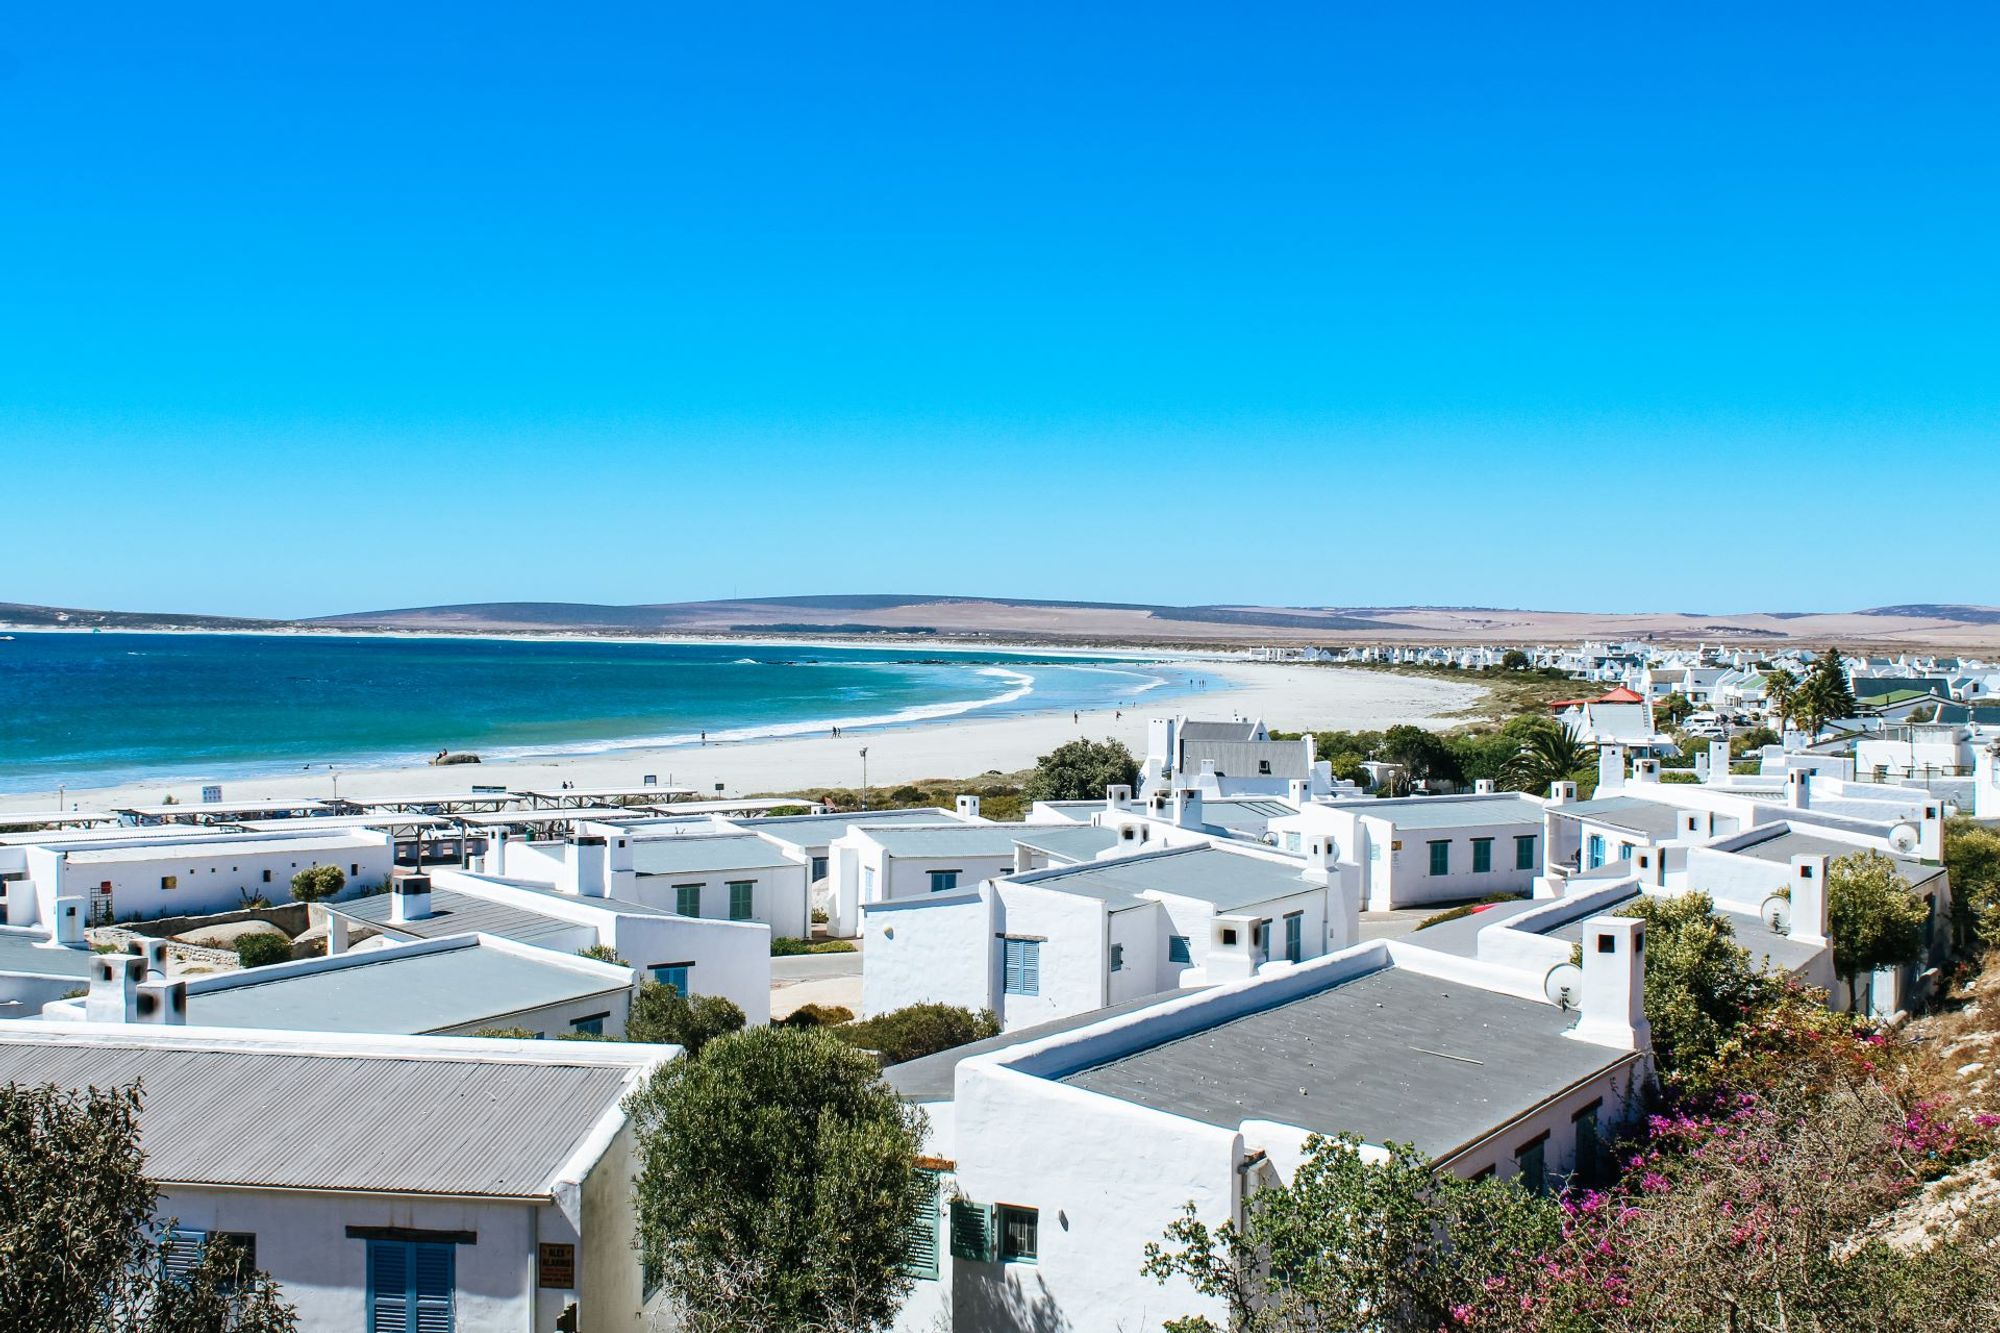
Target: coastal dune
1284 696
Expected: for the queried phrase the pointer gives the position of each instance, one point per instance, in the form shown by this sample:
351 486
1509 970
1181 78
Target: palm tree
1544 759
1781 687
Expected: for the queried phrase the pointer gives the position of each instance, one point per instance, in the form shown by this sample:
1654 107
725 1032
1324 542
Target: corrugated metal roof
455 913
401 992
1650 818
1223 879
1440 812
1789 842
1244 759
949 840
1391 1056
1072 842
310 1121
705 854
1217 731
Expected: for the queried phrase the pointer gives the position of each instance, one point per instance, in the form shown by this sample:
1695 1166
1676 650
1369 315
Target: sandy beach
1289 697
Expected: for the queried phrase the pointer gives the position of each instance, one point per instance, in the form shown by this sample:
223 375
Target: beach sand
1285 696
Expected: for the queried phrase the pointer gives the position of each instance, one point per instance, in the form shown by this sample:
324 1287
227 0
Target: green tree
1752 741
1781 687
318 883
1514 660
1824 695
263 950
1352 1243
1700 983
918 1030
1080 770
1874 919
777 1178
662 1014
80 1248
1673 710
1546 758
1972 856
1423 755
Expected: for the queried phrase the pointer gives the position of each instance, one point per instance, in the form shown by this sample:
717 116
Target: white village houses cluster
1191 976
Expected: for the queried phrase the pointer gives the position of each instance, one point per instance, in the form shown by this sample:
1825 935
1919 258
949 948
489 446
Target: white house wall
211 876
937 950
1073 954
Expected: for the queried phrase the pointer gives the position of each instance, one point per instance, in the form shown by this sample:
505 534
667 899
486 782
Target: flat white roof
384 820
171 851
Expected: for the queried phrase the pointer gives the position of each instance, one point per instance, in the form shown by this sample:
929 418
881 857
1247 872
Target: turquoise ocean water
91 710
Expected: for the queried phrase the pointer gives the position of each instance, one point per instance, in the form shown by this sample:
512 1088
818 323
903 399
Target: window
592 1026
1263 768
353 869
1524 852
1020 1234
1441 857
920 1238
1260 940
1117 958
170 881
1589 1147
1624 851
267 877
1534 1178
186 1248
1482 855
1294 937
868 884
1177 949
1292 842
944 881
672 974
410 1286
1596 850
687 899
1022 973
971 1231
819 867
740 899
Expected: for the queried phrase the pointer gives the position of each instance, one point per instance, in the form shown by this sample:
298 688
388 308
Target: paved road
814 967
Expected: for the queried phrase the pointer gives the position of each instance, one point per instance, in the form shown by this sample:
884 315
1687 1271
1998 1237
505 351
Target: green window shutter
740 900
1482 855
972 1231
1524 852
1441 858
920 1239
687 899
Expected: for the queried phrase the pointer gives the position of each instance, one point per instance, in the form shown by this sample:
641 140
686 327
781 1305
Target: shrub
818 1016
1080 771
517 1034
603 953
784 946
663 1014
317 883
263 950
919 1030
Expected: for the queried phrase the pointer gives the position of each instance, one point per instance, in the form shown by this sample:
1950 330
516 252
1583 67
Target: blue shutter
1294 941
1031 967
432 1287
1177 949
1011 969
388 1286
183 1254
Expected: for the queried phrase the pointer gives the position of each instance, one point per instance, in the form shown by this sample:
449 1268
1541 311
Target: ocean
90 710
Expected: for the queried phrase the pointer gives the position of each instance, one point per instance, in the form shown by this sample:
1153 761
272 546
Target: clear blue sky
350 306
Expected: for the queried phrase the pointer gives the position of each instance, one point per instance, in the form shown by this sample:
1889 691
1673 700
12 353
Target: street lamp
864 777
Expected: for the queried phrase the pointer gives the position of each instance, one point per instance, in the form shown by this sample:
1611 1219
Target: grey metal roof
1072 842
401 993
1769 949
1790 842
1443 812
350 1122
27 955
455 913
1391 1056
949 840
1241 814
933 1078
1650 818
1242 759
705 854
797 824
1225 880
1217 731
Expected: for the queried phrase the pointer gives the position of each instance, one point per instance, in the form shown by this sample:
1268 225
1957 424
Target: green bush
818 1016
784 946
663 1014
317 883
919 1030
263 950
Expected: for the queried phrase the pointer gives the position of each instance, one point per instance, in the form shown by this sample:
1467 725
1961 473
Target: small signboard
211 794
556 1265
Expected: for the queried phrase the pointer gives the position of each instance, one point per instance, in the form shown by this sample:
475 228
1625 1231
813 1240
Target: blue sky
1561 306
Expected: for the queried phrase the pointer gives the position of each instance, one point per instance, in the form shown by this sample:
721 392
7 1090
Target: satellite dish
1905 839
1777 913
1564 985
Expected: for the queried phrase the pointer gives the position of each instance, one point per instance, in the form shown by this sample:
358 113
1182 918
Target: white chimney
1117 796
1562 793
1187 807
409 899
968 807
1300 792
114 988
620 878
161 1002
1930 845
1701 765
1232 950
1484 787
1614 984
495 860
1718 761
68 926
1808 924
1652 863
1320 859
1798 789
1610 768
155 954
1646 770
587 858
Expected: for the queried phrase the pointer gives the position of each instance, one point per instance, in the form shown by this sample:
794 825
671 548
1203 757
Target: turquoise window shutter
185 1248
432 1287
920 1240
389 1286
972 1231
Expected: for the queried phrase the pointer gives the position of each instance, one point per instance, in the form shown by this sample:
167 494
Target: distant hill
879 616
